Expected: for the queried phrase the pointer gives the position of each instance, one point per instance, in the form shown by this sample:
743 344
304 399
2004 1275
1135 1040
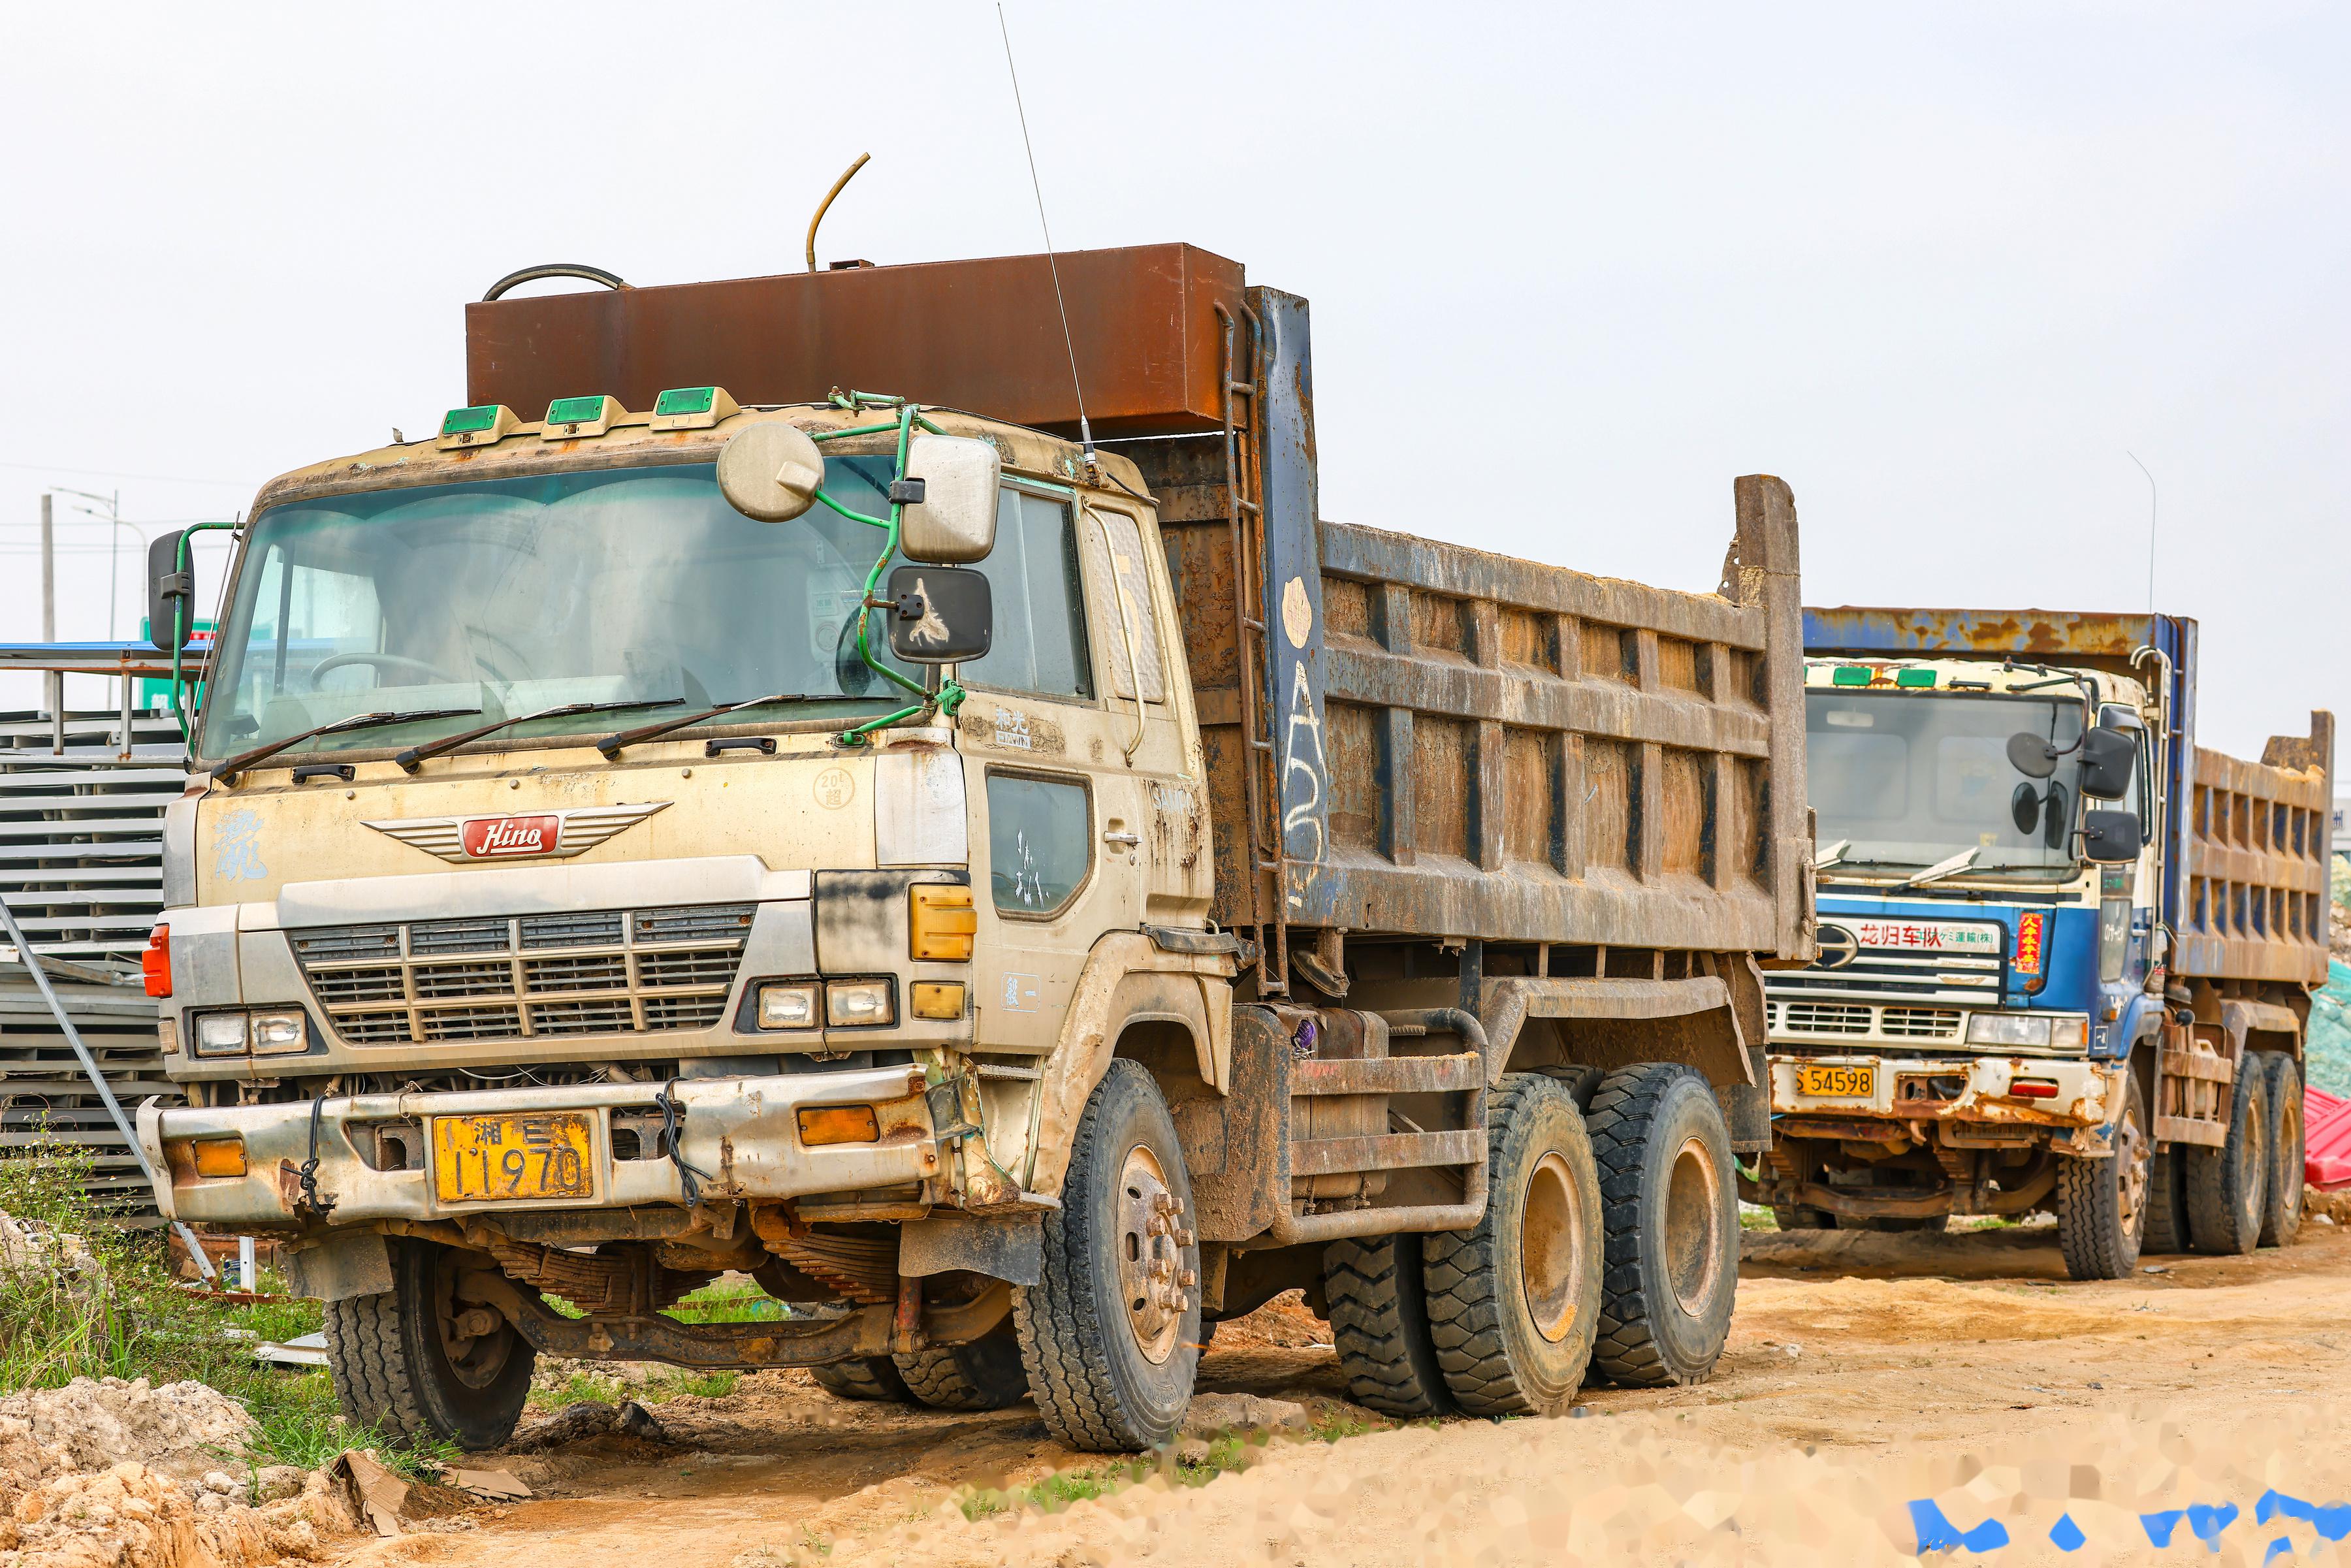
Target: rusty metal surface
982 335
1391 1075
2259 837
2055 634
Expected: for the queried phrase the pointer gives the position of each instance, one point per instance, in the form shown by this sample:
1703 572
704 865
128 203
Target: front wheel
419 1362
2102 1203
1111 1331
1514 1303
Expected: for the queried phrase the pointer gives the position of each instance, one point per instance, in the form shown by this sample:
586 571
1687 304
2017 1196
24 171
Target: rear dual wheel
1513 1304
2229 1187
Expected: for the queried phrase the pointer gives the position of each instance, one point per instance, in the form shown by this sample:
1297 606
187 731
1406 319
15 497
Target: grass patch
145 1325
596 1387
729 1301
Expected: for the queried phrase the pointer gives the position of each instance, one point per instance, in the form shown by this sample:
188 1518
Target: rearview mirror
951 483
2110 837
2109 757
171 594
771 471
2031 755
944 614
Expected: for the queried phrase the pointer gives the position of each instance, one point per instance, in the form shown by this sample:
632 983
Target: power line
118 474
1085 430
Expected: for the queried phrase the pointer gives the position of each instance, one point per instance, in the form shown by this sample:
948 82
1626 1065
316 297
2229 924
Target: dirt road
1864 1372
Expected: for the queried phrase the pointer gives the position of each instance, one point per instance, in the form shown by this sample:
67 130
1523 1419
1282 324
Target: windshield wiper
244 759
409 759
1942 869
611 744
1832 855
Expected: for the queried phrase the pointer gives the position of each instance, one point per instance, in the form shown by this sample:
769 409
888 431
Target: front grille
602 972
1827 1018
1919 1023
1860 1021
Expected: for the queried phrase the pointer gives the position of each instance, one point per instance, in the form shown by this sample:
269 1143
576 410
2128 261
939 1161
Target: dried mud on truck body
1156 899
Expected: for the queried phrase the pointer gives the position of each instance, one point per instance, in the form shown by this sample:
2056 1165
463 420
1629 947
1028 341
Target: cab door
1055 860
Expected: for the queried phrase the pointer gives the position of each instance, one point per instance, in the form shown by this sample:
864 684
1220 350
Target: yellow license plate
489 1159
1845 1082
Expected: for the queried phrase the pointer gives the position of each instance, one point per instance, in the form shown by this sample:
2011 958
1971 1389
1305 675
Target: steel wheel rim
1553 1232
1692 1250
476 1359
2137 1168
1150 1263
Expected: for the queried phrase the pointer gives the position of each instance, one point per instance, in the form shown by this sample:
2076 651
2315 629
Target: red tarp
2326 1139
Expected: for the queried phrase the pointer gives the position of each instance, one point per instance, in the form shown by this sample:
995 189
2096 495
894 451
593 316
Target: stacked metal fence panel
81 865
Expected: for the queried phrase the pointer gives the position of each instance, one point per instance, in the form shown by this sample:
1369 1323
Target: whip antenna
1085 430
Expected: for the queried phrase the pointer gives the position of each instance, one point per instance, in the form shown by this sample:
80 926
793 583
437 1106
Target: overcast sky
1941 266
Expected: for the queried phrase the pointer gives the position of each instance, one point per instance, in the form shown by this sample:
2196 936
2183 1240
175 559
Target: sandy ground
1864 1372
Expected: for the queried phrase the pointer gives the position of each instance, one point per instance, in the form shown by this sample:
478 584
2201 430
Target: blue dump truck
2065 955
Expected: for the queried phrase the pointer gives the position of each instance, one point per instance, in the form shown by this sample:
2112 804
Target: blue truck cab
2065 956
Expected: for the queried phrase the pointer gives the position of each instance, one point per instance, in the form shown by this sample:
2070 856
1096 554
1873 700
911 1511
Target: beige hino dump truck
764 790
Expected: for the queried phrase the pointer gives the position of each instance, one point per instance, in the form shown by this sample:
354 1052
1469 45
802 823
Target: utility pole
55 680
48 571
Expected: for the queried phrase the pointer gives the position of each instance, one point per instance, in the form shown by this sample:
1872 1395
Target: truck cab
1998 1021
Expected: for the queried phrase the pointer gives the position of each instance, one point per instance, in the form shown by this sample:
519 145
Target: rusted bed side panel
1521 752
2259 836
1517 751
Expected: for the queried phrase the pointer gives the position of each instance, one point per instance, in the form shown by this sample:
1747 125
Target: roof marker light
1914 677
580 416
693 408
484 424
1850 675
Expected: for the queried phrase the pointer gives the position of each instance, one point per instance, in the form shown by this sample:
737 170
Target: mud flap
1007 1247
1747 1107
341 1267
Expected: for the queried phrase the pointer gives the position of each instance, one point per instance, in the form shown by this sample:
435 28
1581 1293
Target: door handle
1118 836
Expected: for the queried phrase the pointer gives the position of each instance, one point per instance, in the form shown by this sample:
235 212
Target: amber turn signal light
821 1124
218 1156
941 922
938 998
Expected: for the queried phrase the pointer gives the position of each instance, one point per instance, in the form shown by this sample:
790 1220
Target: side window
1128 629
1040 631
1040 843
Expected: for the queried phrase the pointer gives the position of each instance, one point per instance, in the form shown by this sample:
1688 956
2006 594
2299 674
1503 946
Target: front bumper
741 1134
1955 1089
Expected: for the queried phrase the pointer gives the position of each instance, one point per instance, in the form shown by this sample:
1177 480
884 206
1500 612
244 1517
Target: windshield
618 587
1908 782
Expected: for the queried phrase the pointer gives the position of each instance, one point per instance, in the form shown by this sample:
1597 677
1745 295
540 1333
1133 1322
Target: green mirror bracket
180 630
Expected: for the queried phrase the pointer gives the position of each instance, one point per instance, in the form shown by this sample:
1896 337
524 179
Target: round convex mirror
771 471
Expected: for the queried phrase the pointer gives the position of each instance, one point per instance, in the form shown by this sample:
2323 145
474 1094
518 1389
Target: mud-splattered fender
1127 979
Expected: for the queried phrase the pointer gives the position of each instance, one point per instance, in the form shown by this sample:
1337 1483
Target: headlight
788 1007
2008 1028
280 1034
849 1004
219 1034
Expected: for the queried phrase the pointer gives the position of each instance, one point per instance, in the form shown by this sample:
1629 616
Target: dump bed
2245 862
1446 743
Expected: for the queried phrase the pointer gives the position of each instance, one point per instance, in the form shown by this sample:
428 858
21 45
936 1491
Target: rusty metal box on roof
983 335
